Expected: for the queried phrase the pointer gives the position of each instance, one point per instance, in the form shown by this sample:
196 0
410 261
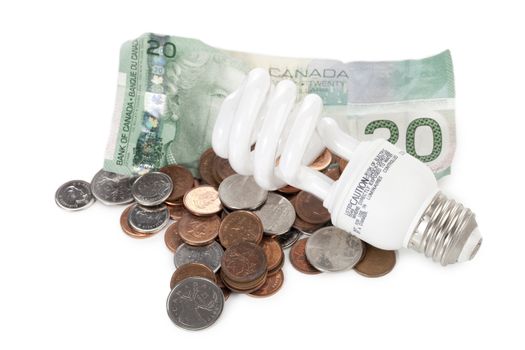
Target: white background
75 281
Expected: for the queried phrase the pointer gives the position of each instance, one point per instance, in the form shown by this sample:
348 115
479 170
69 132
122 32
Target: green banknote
170 90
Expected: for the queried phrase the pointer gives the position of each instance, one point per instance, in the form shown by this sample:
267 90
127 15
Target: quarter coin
111 188
241 192
332 249
148 219
152 188
209 255
74 195
277 214
195 303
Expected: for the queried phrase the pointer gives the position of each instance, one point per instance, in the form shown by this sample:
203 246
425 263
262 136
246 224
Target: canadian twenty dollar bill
170 90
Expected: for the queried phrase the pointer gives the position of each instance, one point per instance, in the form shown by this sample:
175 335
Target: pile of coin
228 234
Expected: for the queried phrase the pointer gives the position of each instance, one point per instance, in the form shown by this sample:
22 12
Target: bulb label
357 205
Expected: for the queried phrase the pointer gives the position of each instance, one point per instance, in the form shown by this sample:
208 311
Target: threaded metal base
443 230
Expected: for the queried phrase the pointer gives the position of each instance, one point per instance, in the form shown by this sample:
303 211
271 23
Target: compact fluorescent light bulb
384 196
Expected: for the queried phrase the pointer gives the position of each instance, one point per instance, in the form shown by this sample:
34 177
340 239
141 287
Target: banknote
170 90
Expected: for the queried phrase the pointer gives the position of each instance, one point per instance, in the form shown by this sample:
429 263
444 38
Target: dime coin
126 227
289 238
111 188
148 219
191 270
298 258
195 303
206 167
270 286
310 208
241 192
240 226
182 180
203 200
209 255
273 252
332 249
376 262
152 188
323 161
198 230
172 237
222 168
176 211
244 262
74 195
277 214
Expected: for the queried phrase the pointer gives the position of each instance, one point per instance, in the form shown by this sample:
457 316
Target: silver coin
209 255
332 249
74 195
277 214
111 188
195 303
289 238
152 188
148 219
241 192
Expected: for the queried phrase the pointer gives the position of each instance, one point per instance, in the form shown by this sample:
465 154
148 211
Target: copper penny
273 251
203 200
333 172
191 270
376 262
270 286
288 189
221 285
305 227
172 237
299 260
323 161
126 227
239 226
206 167
222 168
310 208
342 164
244 287
176 211
198 230
182 181
244 262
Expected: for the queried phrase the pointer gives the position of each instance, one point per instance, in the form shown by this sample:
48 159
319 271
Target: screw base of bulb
447 232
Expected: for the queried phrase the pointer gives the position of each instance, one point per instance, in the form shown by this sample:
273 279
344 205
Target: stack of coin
228 234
